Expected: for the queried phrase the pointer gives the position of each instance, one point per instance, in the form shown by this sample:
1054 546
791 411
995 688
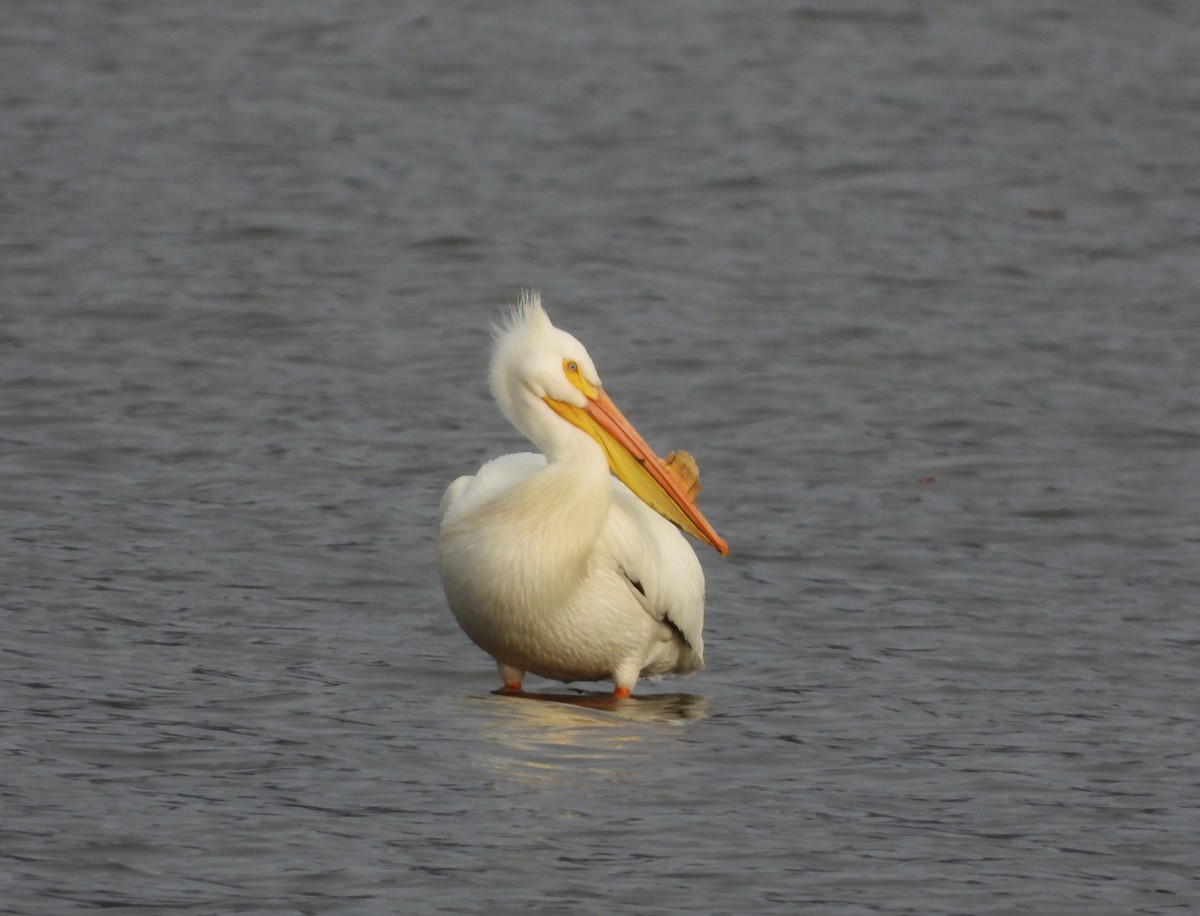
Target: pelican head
547 386
529 370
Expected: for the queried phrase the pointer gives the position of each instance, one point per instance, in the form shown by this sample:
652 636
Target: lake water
916 283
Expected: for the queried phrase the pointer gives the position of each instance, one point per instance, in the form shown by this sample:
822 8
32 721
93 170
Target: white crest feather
526 315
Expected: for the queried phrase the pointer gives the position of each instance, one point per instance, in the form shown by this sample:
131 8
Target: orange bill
637 466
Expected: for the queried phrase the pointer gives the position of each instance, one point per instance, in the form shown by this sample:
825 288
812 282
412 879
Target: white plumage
549 563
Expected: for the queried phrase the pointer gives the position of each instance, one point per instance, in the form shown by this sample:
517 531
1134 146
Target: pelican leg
625 678
511 676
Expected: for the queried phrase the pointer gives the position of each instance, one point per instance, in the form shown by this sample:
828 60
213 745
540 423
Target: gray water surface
915 282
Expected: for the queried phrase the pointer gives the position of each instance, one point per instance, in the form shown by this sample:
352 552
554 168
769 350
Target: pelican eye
575 377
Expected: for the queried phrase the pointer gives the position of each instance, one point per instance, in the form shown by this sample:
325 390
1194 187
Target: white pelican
549 564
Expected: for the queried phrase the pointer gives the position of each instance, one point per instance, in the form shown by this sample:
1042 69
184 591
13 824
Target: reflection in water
662 707
554 734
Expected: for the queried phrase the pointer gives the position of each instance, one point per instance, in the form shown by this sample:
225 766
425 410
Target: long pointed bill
635 464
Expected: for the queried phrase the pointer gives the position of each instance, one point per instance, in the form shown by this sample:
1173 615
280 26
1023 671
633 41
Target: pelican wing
660 565
498 475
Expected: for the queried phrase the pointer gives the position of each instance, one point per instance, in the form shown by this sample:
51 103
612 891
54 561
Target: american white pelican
548 563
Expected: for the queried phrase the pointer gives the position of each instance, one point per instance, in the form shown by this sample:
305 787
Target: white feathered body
557 569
